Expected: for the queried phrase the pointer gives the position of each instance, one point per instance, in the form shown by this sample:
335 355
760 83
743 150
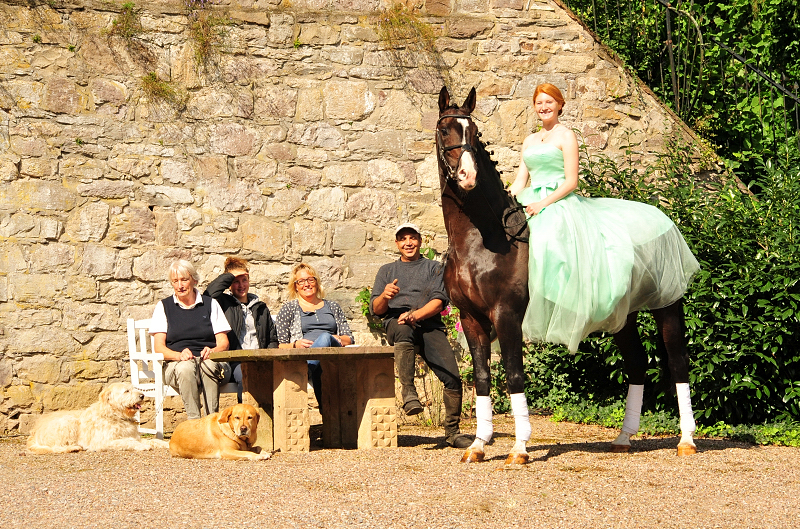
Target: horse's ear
444 99
469 103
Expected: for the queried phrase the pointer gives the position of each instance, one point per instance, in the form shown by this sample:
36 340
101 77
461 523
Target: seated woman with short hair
188 326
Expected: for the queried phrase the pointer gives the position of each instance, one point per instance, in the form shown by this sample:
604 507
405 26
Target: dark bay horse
486 276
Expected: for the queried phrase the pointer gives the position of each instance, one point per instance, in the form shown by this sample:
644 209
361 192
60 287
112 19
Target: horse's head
456 140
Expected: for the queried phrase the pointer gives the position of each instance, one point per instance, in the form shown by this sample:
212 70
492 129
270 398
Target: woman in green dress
594 261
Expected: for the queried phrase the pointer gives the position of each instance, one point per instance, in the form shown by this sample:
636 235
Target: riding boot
405 359
452 409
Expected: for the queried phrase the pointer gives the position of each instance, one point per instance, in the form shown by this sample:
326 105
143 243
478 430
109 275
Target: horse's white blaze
467 171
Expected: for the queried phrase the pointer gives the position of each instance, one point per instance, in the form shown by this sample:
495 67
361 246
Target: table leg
290 380
258 387
358 403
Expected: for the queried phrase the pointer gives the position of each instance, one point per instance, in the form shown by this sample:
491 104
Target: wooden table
358 399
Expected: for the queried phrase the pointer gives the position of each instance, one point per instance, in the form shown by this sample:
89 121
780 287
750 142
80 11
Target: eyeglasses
307 281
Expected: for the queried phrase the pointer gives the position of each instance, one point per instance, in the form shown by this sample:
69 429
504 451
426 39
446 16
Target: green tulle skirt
593 261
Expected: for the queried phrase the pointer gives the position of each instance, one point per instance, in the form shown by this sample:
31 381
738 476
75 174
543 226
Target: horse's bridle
465 147
451 171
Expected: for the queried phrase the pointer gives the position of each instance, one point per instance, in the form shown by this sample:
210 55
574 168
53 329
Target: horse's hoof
472 456
517 459
620 449
686 449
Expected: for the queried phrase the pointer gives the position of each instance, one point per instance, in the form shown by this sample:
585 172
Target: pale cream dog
108 424
229 434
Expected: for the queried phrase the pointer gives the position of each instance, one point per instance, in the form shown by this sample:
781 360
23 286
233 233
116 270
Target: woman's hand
302 343
534 208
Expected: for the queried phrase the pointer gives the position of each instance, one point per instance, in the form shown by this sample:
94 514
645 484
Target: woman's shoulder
530 140
289 306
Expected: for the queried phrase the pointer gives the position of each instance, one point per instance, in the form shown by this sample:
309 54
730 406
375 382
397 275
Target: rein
466 147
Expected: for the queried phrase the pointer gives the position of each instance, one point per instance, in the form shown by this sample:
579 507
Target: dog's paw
263 456
159 443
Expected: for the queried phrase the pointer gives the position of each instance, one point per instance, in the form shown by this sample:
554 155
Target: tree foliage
730 105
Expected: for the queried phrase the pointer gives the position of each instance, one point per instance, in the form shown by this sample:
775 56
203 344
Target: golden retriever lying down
229 434
108 424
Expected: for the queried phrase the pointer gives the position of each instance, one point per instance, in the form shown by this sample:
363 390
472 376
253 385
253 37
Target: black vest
189 328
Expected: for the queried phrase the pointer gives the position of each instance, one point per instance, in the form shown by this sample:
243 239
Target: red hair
552 91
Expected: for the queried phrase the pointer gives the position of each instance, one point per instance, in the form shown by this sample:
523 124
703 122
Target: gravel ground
571 481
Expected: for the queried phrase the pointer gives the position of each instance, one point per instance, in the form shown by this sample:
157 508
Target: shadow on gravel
637 445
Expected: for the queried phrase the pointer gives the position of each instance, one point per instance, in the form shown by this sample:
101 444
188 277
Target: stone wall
300 138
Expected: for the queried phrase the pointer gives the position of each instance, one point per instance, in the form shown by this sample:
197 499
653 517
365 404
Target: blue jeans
315 370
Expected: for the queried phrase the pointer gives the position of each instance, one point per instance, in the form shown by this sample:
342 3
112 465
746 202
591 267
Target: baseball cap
407 225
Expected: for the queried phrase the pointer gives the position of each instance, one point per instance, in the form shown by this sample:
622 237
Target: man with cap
409 295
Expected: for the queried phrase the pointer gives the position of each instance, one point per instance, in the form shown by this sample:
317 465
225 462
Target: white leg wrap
483 414
522 423
685 410
633 409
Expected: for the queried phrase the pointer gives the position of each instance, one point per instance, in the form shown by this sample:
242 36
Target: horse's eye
444 132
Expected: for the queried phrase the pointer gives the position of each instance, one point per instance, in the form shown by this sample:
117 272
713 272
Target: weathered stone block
349 175
74 397
373 206
234 139
42 368
36 196
211 167
257 171
348 100
36 288
379 143
327 203
362 269
281 28
301 176
93 370
571 63
188 218
176 171
135 225
52 257
349 237
167 195
26 146
19 397
98 260
90 222
6 372
275 102
262 236
384 173
467 28
62 96
12 258
284 202
37 167
321 135
80 288
108 91
310 237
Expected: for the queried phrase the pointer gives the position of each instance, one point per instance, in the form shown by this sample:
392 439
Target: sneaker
412 407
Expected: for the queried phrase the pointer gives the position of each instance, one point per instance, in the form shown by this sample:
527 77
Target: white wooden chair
147 372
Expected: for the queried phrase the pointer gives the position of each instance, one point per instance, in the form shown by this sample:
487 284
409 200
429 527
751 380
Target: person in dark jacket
250 320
